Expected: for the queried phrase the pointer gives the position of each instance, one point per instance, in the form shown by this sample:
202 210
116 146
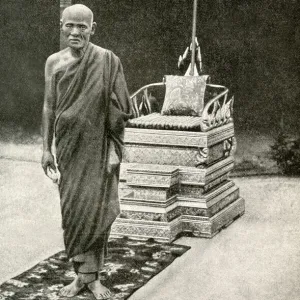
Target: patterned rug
129 265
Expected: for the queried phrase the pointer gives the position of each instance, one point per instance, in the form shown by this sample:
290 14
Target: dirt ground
250 260
255 258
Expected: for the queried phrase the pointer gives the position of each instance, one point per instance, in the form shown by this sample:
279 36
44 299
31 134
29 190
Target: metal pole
193 37
62 5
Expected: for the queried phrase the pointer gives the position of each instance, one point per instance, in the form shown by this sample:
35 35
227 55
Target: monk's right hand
48 162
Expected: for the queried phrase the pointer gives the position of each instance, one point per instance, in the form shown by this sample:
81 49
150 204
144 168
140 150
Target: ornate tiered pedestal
175 181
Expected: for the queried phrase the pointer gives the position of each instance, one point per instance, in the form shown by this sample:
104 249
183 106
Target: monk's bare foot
99 291
72 289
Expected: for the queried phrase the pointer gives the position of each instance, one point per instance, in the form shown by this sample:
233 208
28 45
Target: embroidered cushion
184 95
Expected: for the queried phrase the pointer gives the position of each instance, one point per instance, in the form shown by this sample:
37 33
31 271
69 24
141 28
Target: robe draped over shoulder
92 108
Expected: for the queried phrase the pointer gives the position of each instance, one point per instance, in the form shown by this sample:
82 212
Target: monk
86 107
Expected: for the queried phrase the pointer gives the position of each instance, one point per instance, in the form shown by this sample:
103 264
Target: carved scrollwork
234 144
217 112
143 101
201 156
229 147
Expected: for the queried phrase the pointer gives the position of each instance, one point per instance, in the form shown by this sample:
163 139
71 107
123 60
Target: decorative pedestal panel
177 181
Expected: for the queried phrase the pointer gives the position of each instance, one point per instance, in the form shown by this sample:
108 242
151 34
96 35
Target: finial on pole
193 37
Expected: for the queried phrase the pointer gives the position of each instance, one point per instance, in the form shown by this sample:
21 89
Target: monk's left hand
48 161
49 167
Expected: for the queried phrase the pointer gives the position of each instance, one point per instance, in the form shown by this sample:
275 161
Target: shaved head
77 26
78 11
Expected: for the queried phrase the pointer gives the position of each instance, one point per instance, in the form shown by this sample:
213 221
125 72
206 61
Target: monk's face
77 26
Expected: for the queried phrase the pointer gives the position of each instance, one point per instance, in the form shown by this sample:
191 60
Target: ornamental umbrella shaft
193 37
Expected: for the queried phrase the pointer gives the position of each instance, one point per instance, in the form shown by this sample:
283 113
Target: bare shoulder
55 60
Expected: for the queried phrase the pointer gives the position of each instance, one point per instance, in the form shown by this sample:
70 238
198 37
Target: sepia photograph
149 150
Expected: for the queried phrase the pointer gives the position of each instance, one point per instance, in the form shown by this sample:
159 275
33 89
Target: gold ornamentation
201 156
217 112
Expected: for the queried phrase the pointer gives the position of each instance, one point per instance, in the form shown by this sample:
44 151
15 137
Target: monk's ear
94 25
60 24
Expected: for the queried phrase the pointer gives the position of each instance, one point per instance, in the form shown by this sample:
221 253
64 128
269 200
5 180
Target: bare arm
48 117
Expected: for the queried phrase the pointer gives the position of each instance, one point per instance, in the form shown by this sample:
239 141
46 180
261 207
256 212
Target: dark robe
92 108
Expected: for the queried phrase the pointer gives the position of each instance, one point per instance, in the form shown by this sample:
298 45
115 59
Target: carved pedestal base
173 182
168 231
208 228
